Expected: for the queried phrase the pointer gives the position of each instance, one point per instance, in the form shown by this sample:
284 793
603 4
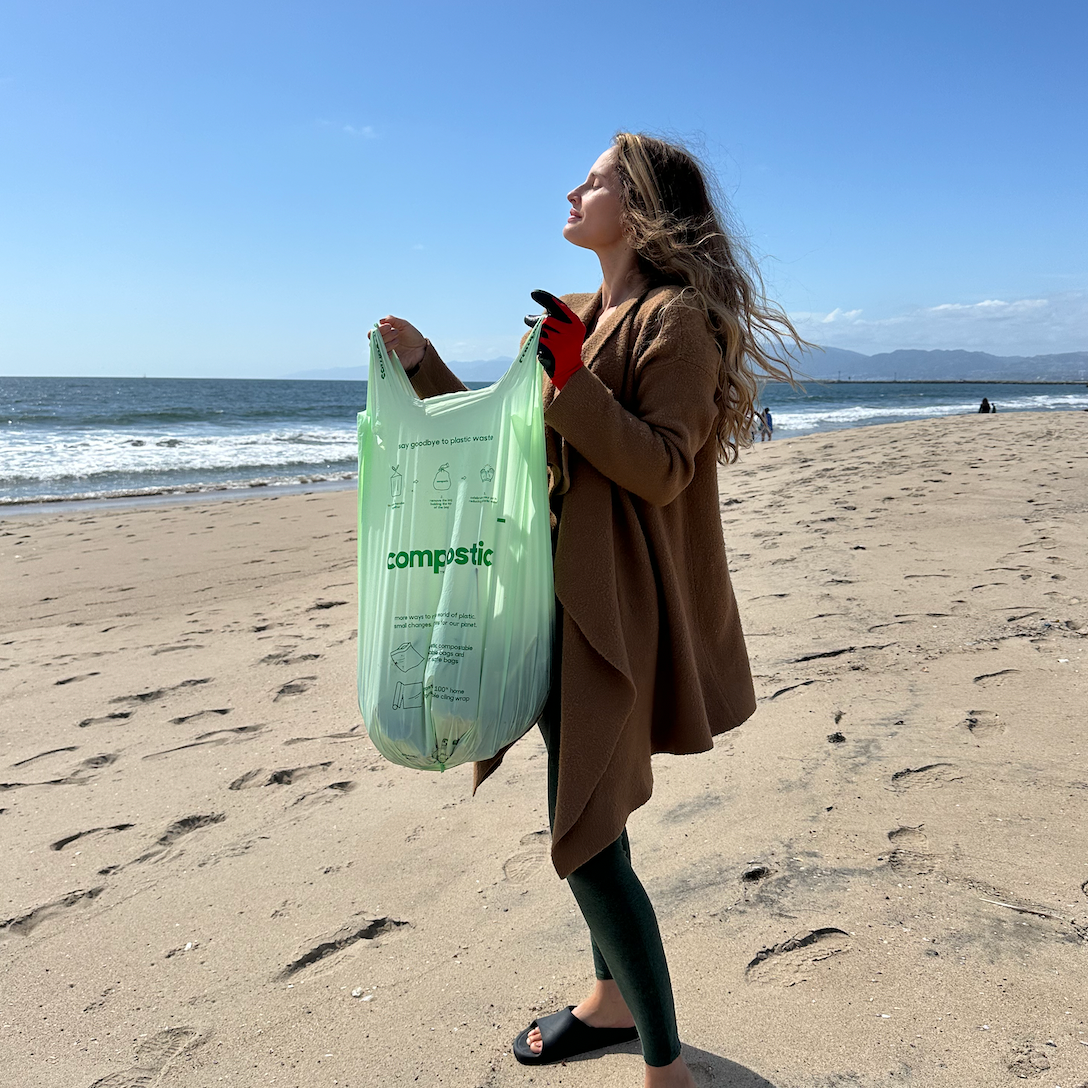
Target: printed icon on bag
408 696
444 749
442 479
487 474
396 483
406 657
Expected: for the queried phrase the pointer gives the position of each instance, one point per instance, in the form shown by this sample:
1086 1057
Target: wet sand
880 880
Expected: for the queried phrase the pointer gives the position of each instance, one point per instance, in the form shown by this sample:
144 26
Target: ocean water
89 438
836 405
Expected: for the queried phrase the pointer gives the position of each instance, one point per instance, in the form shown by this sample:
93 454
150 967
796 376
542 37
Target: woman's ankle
605 1006
676 1075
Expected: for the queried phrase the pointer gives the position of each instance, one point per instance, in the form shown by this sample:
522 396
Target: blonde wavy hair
680 236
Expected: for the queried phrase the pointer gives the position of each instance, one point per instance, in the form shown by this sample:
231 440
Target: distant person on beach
993 407
984 407
651 382
767 431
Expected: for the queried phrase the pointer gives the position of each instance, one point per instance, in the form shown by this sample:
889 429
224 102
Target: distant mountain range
838 364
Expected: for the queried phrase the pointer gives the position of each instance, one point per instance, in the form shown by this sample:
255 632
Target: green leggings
623 928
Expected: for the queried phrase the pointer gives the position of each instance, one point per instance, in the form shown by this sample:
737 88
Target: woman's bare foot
603 1008
677 1075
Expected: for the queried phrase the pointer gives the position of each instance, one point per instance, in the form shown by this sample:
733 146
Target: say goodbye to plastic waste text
446 441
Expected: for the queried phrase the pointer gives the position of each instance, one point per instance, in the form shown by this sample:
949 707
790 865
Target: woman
650 382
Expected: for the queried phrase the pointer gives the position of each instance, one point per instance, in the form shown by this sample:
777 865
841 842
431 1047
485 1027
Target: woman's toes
534 1040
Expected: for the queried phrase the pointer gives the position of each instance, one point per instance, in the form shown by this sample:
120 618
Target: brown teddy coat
653 656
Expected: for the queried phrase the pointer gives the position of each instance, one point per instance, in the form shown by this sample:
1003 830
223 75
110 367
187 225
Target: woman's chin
574 235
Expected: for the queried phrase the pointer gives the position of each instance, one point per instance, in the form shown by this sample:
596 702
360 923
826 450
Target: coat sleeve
650 448
432 377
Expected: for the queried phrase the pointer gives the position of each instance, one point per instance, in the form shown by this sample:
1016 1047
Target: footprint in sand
890 623
519 868
199 714
290 776
910 853
359 929
794 687
217 736
42 755
286 777
80 775
756 873
294 687
23 924
928 777
1028 1060
177 830
286 657
798 959
159 693
153 1058
75 679
348 734
984 723
330 792
987 679
60 844
115 716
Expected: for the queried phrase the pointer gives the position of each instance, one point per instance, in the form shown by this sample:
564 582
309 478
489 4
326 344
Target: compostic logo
437 559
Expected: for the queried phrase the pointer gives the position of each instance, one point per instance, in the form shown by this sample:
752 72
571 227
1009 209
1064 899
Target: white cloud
1027 326
362 132
836 314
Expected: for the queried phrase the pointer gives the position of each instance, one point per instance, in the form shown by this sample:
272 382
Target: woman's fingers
402 337
389 331
556 307
395 331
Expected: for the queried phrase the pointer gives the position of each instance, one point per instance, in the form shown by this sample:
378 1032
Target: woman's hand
560 348
404 338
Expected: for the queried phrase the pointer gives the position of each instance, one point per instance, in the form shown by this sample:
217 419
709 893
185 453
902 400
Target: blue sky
241 189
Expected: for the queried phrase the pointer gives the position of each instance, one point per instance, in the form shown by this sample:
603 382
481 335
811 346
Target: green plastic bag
456 601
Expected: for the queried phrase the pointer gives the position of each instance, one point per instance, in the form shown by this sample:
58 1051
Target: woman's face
595 208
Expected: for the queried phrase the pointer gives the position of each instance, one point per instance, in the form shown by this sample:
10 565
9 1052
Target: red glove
561 338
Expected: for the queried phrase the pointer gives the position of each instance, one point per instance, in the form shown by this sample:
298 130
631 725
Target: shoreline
61 504
137 497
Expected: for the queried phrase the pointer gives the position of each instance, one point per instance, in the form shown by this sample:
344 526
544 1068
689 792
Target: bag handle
386 377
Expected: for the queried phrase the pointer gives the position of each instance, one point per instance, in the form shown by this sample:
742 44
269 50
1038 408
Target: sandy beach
211 877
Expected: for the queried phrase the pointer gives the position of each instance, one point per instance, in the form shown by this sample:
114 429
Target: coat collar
606 348
603 331
604 354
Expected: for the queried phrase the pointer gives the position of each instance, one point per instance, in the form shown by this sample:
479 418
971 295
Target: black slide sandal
565 1036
